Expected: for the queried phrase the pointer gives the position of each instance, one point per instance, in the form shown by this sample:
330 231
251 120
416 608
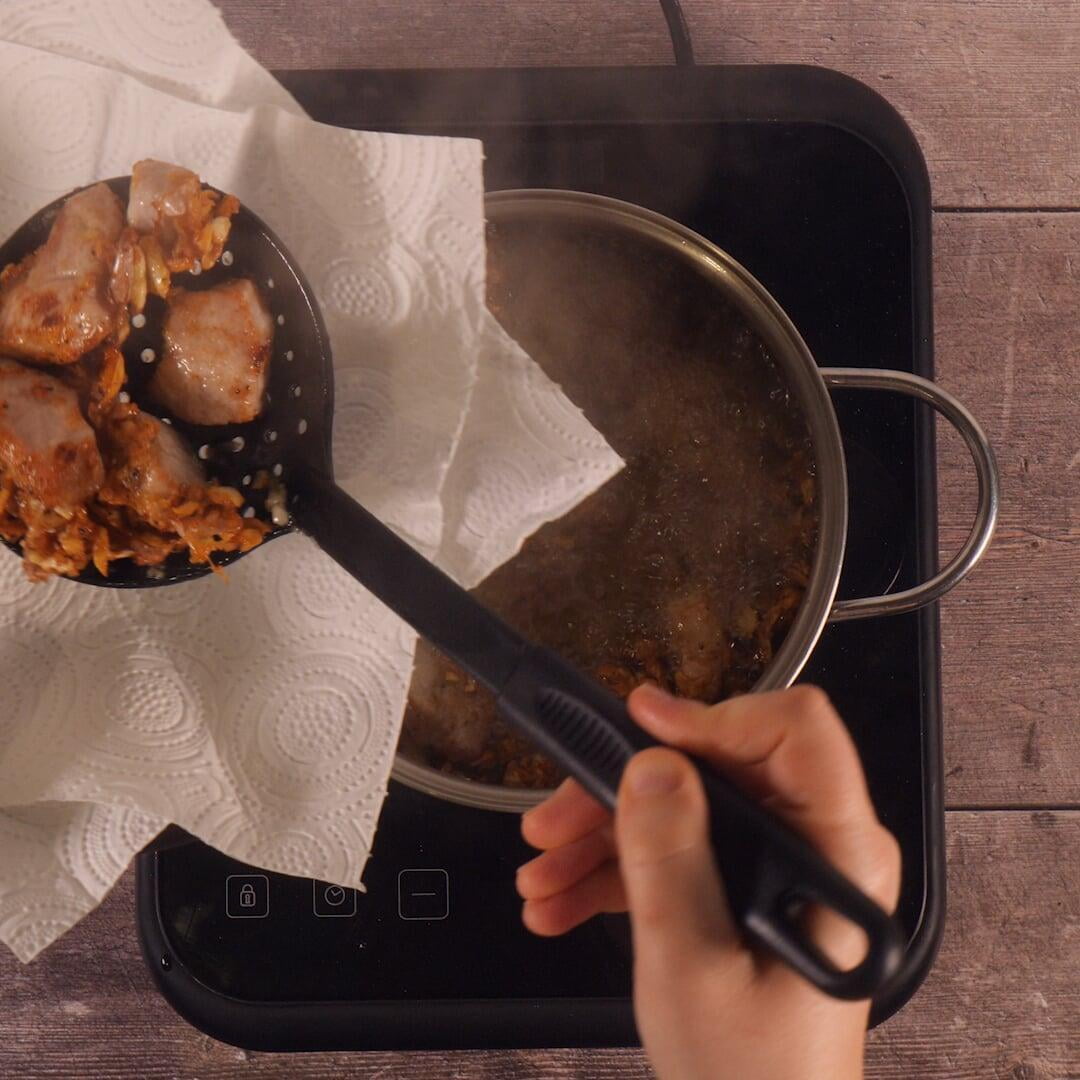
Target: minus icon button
423 895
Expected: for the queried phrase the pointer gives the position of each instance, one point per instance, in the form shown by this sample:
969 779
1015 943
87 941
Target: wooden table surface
992 90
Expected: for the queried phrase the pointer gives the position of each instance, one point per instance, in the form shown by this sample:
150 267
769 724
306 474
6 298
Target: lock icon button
247 896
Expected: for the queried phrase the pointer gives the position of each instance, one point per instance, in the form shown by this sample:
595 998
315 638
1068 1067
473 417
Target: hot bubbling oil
685 568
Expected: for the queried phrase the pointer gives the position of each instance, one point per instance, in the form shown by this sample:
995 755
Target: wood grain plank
1007 295
1003 999
469 33
992 89
1002 1002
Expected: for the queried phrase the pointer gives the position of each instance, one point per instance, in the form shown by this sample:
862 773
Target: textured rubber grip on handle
574 720
769 871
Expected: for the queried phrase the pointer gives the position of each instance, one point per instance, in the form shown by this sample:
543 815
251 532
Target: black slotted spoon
769 871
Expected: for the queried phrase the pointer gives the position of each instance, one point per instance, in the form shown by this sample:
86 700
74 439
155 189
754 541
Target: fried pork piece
71 294
216 354
701 642
155 494
182 224
49 467
150 468
46 447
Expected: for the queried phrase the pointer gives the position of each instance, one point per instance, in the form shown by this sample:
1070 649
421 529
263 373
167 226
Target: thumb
673 890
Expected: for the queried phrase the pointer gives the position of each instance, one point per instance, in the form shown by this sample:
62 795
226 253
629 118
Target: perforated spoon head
294 426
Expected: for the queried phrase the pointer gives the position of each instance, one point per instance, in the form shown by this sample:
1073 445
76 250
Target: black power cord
679 31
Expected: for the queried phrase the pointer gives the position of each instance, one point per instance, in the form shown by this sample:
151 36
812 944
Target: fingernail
526 820
651 692
517 881
655 774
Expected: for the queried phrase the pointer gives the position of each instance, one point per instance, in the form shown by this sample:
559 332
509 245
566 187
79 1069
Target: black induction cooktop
816 185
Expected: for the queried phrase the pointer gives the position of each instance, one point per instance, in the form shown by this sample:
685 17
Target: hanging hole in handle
986 470
837 938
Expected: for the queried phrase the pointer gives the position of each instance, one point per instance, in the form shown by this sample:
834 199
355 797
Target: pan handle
985 468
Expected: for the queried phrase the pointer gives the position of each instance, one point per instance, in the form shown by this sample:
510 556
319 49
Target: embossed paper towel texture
261 714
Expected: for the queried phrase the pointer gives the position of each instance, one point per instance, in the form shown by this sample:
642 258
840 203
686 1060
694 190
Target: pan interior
688 567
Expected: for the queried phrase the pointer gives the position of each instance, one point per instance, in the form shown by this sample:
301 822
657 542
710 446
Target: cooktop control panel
438 918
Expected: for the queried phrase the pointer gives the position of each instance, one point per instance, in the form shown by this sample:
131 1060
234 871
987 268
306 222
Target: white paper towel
261 714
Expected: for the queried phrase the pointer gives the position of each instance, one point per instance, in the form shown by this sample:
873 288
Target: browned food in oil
687 567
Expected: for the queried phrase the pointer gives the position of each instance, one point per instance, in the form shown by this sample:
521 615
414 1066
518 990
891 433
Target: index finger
568 814
789 746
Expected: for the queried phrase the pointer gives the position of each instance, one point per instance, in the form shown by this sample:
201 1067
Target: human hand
706 1005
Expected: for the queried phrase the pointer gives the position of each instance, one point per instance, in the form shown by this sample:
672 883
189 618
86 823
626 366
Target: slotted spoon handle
768 869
